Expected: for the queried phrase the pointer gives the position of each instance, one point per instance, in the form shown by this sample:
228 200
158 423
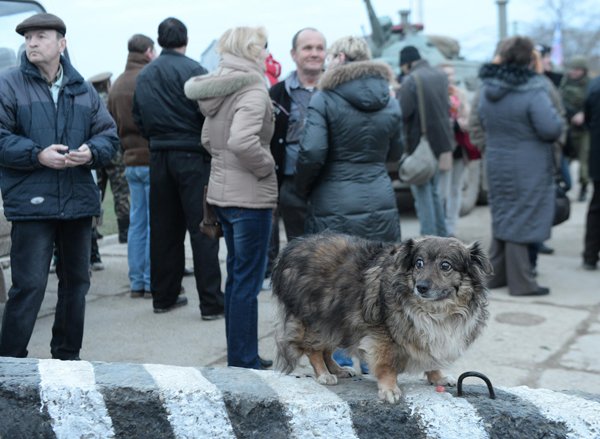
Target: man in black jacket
53 131
290 98
179 169
437 114
591 250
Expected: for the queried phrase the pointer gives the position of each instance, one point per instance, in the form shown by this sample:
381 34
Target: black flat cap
41 21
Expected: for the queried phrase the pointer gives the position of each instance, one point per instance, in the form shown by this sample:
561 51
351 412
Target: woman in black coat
521 124
592 227
353 127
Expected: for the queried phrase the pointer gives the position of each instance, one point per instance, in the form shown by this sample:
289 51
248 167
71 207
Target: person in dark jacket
179 170
428 203
53 131
521 125
353 127
136 158
591 249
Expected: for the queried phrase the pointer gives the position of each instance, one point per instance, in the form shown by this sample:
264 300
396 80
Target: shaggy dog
408 307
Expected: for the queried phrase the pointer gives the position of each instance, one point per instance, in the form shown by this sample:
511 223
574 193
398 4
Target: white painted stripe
581 416
194 405
442 415
314 411
68 390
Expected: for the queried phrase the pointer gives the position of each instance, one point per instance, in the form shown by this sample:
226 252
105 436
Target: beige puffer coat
237 132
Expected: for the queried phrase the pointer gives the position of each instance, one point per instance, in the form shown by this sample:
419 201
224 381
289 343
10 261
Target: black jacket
592 118
437 108
29 122
282 104
353 127
163 113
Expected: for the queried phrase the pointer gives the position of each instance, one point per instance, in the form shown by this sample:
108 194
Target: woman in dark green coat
353 128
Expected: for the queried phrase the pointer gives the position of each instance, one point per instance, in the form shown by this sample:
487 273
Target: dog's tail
289 334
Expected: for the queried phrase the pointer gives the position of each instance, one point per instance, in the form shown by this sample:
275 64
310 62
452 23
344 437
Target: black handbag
562 209
210 225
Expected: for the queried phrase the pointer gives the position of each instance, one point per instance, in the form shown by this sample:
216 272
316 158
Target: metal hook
477 375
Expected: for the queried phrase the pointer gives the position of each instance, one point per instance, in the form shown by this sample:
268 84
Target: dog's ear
479 259
406 253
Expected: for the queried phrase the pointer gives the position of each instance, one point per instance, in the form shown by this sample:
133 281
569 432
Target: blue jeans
138 237
30 255
428 205
246 233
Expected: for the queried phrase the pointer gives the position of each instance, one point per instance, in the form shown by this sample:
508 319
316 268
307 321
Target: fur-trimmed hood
501 79
234 73
365 84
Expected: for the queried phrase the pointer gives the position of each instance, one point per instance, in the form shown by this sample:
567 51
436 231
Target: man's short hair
172 33
297 34
139 43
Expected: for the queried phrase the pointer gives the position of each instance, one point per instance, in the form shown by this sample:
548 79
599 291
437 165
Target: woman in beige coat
242 185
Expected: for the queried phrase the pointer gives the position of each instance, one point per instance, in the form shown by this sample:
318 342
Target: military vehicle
386 41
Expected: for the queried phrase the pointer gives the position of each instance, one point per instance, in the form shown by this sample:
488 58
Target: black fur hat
409 54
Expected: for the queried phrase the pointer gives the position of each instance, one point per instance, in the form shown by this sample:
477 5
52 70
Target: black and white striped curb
79 399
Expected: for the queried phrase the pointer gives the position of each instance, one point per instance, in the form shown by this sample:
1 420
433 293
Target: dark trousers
30 255
292 209
177 180
592 228
512 267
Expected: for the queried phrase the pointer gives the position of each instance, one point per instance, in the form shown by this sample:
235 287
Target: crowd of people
310 150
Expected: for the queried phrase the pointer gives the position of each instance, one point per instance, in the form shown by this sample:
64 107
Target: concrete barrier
56 399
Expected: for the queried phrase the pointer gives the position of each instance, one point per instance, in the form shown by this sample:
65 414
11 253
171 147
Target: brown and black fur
404 307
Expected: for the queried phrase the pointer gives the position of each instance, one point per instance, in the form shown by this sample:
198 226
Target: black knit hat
42 21
409 54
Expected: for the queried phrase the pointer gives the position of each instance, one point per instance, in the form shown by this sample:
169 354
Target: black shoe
265 364
545 250
181 301
209 317
588 266
582 193
188 271
134 294
540 291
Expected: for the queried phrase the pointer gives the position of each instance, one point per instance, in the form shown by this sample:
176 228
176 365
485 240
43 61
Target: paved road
550 342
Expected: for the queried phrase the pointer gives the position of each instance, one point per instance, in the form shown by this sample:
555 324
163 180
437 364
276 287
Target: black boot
123 225
583 192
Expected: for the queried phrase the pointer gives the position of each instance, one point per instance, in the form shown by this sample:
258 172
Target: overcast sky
98 30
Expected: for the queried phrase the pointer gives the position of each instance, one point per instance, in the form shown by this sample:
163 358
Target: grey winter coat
353 127
237 133
520 125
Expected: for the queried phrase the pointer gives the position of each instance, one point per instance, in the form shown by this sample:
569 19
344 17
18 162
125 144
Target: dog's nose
423 287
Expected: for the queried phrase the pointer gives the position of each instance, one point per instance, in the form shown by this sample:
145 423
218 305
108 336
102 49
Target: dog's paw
345 372
327 379
436 378
390 395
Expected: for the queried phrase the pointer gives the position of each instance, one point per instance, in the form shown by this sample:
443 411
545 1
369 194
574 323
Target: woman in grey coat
353 127
520 125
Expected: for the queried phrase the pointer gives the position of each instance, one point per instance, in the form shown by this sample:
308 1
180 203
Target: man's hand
79 156
578 119
53 156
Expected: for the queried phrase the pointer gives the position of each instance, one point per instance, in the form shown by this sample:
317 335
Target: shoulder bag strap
420 103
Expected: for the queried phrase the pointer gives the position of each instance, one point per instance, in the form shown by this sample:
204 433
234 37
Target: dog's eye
445 266
419 263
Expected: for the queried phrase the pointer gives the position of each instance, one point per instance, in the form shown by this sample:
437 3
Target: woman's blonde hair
243 41
355 48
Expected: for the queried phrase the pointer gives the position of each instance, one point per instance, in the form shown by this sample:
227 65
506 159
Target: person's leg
454 199
138 227
592 230
120 190
192 171
167 232
251 231
519 277
422 197
437 206
583 157
498 261
30 263
565 171
292 209
73 242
